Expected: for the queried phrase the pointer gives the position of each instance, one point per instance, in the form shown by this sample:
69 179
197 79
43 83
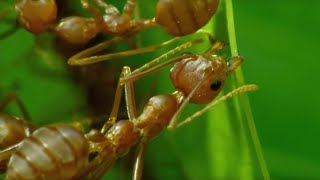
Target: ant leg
129 95
129 8
98 172
85 4
6 153
5 12
147 68
10 31
210 36
138 164
84 57
109 9
242 89
145 24
5 156
130 101
131 108
217 45
116 104
12 97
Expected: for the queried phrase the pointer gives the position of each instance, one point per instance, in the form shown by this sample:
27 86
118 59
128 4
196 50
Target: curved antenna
241 89
13 97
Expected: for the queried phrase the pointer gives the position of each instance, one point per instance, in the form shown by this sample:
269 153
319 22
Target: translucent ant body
66 153
177 17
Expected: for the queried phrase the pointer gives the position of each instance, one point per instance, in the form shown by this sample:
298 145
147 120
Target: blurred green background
279 40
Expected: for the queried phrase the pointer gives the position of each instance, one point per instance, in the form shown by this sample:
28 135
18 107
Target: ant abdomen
36 16
13 131
186 74
76 31
182 17
157 114
53 152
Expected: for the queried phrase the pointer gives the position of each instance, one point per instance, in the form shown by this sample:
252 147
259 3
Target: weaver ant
197 78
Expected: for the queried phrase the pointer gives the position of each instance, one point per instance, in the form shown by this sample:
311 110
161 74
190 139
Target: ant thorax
117 24
210 70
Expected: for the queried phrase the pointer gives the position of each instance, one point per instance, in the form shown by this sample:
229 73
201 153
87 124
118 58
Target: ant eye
216 84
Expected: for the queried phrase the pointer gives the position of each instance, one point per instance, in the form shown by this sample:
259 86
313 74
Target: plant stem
244 101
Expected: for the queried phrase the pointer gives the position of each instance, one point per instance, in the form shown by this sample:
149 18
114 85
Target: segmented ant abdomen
36 16
76 31
53 152
12 131
123 134
182 17
157 114
187 74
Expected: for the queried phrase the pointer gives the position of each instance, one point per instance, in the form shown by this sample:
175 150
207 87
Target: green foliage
280 41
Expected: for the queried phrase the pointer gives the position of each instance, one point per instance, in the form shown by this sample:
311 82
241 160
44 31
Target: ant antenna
13 97
242 89
147 69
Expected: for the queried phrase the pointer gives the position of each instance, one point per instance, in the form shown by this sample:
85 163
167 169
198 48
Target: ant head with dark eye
203 74
210 71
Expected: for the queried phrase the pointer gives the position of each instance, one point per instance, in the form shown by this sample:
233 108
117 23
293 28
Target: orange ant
197 78
177 17
66 153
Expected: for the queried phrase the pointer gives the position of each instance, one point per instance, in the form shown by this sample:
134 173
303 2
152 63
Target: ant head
206 73
36 16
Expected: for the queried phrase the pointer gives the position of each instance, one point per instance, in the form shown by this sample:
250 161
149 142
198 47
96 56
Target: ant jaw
233 63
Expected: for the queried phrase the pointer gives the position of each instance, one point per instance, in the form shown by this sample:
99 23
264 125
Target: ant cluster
65 151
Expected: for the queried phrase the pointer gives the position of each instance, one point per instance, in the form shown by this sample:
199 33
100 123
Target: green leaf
232 125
